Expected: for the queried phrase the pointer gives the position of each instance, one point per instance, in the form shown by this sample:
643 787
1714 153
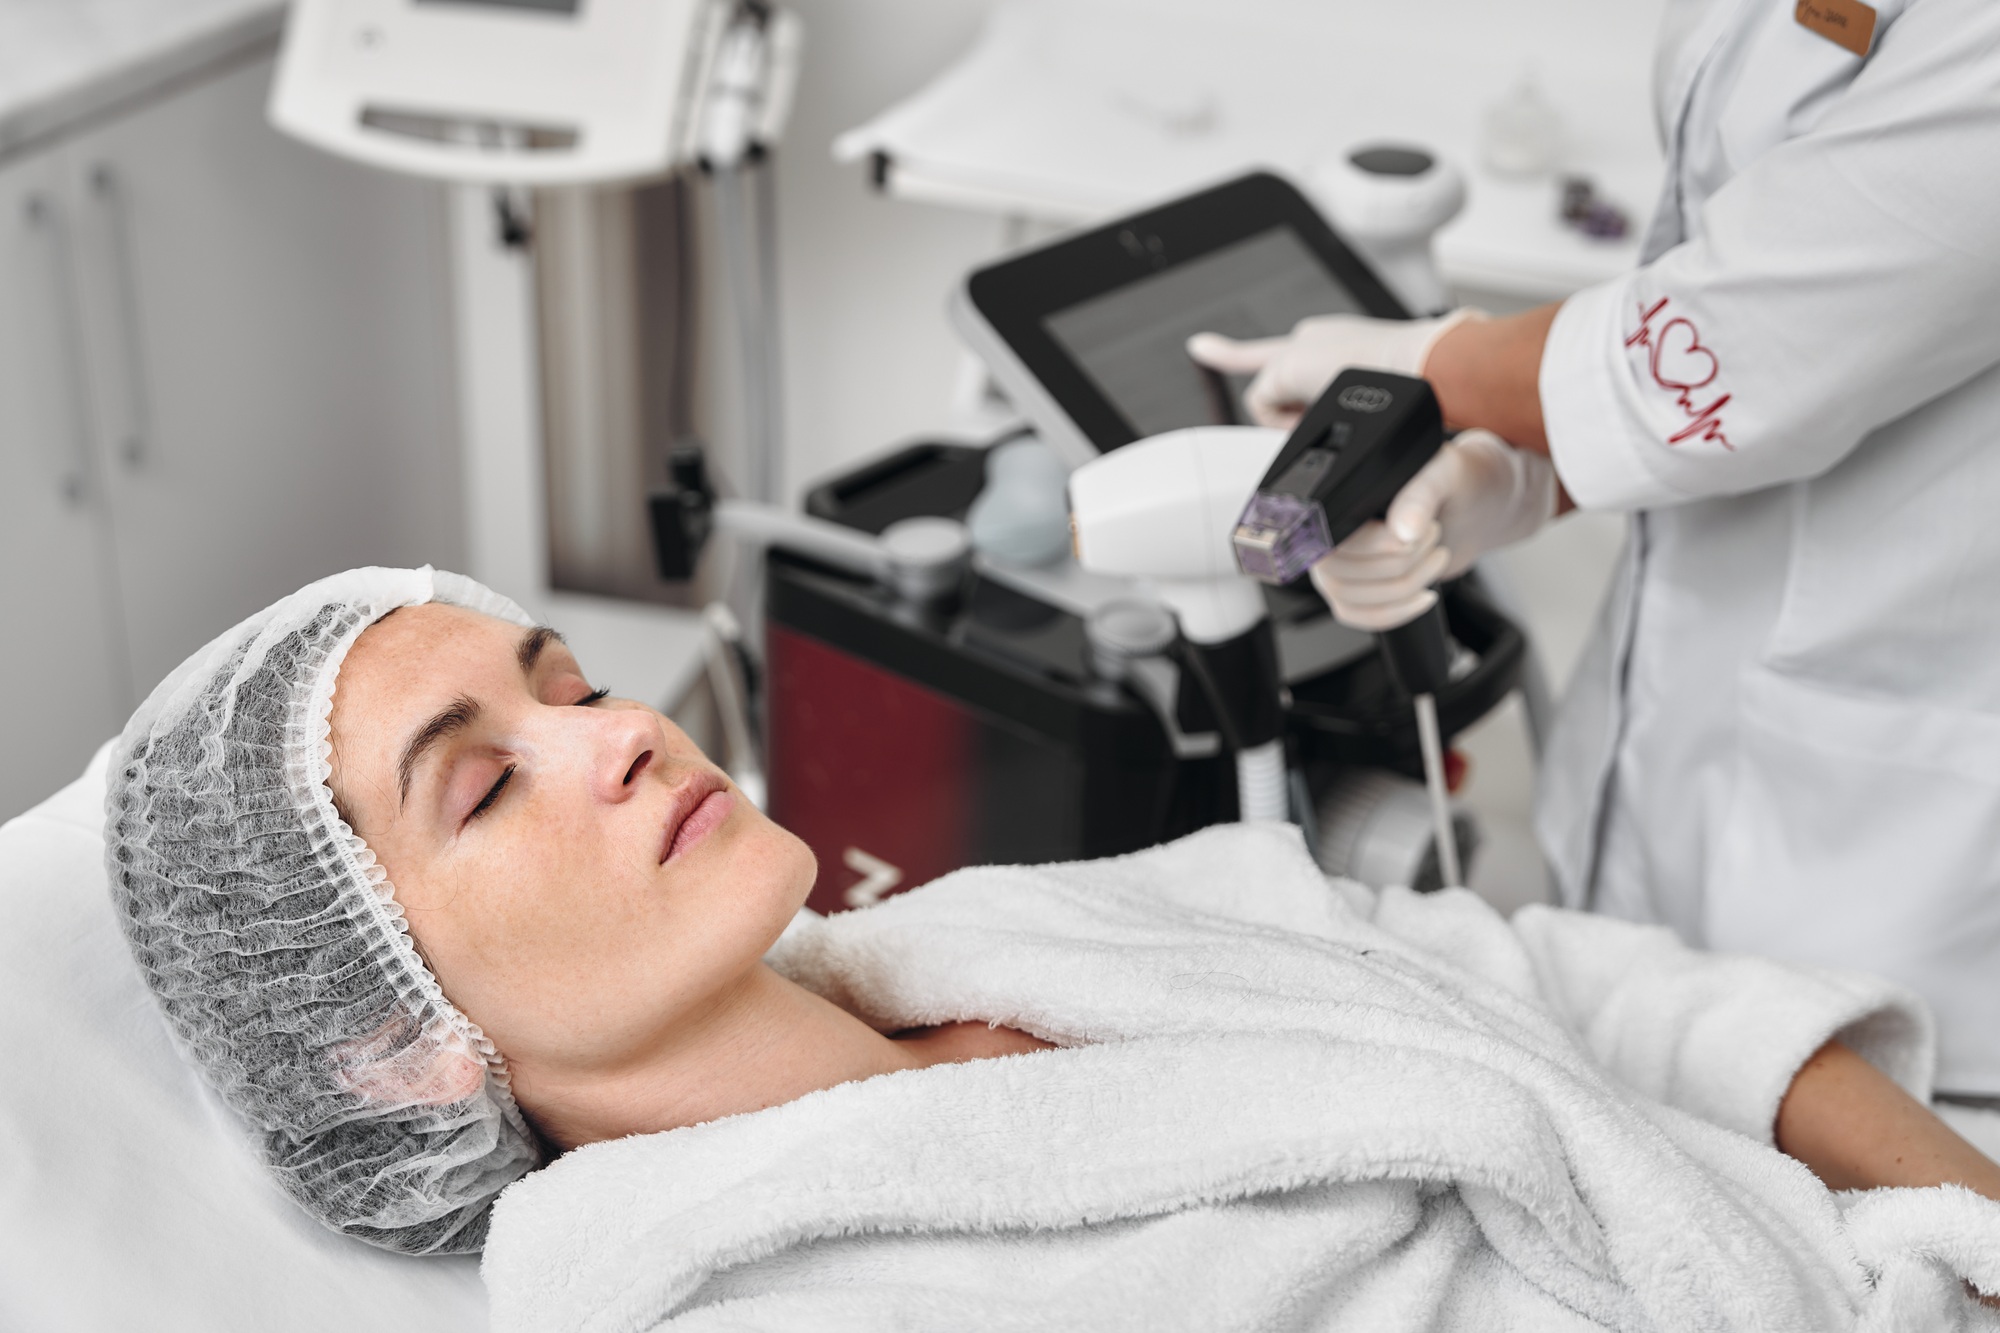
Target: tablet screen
1131 342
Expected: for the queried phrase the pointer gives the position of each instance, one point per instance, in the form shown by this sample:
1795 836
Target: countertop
1070 111
66 63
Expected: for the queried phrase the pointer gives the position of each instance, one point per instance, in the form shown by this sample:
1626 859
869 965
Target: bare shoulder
951 1043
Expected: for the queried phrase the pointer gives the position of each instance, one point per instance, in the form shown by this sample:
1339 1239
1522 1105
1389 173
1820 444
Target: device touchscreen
1087 334
1131 342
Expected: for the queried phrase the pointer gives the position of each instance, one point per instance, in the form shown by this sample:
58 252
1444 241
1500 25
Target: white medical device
528 92
522 93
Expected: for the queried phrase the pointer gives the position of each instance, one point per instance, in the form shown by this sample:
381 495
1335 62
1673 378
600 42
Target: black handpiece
1353 450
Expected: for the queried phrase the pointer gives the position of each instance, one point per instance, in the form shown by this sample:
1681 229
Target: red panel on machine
873 771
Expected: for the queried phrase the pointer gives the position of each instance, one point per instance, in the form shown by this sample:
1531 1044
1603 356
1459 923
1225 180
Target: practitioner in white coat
1785 737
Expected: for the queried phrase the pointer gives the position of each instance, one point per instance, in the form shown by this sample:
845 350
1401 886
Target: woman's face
577 874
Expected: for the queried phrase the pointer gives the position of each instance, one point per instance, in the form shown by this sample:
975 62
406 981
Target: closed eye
492 794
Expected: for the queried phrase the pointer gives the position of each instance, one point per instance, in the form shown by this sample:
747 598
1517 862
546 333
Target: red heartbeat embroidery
1681 364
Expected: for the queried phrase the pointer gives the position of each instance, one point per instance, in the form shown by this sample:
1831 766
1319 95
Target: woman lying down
486 958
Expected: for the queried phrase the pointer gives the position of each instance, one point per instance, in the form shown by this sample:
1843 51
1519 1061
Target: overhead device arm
920 558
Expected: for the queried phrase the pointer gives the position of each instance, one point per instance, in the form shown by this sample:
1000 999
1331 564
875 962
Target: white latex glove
1294 370
1479 493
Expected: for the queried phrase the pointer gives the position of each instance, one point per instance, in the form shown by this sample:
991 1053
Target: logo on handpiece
1364 398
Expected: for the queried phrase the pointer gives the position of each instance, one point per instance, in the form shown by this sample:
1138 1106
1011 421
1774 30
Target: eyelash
492 795
493 792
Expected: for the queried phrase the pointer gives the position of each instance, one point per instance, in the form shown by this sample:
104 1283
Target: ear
404 1064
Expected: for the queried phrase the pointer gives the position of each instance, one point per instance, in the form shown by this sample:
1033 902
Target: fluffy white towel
1278 1104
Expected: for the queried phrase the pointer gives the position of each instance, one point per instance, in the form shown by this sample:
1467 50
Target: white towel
1278 1104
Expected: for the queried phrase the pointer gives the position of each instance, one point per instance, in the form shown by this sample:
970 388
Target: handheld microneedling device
1352 451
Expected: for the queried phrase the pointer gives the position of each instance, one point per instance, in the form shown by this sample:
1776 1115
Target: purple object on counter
1589 212
1603 220
1279 536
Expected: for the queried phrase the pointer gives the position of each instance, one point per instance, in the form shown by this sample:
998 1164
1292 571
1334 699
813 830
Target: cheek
565 948
669 940
515 925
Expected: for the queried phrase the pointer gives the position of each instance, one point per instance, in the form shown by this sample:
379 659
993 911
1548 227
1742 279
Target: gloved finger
1378 561
1233 356
1378 592
1279 396
1374 538
1376 619
1422 500
1277 416
1478 437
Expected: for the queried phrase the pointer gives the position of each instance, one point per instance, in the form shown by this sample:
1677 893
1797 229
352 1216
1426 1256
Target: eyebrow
532 644
453 718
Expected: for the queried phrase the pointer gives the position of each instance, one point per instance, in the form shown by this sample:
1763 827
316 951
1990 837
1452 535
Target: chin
804 866
771 870
787 868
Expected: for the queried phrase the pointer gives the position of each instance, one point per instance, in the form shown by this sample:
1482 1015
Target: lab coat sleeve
1838 281
1719 1036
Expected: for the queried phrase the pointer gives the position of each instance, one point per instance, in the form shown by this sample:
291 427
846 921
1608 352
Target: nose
625 743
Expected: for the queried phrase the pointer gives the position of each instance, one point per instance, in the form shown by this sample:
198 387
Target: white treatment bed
127 1198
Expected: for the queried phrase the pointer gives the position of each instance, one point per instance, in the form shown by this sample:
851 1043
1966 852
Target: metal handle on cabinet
45 218
132 433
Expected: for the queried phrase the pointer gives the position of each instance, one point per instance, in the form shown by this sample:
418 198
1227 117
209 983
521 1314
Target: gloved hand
1294 370
1479 493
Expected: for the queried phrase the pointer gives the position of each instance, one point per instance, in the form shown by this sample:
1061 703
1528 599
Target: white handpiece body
1162 509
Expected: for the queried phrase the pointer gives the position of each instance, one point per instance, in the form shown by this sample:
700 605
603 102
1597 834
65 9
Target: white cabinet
64 684
225 370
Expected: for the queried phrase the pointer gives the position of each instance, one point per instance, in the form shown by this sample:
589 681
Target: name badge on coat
1845 23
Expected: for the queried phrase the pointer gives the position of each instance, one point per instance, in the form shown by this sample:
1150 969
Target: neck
762 1042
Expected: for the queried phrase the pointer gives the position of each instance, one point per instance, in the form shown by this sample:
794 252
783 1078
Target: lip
693 814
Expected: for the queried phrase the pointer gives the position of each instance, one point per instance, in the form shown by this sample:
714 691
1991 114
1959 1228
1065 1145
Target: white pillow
128 1198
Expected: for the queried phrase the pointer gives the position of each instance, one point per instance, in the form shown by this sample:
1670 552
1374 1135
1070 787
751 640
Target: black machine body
926 737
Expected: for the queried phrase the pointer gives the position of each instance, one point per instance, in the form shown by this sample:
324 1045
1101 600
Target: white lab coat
1785 737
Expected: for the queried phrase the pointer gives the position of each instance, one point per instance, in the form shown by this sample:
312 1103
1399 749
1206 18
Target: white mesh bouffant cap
273 940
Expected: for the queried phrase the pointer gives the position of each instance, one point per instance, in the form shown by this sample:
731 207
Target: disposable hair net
274 943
